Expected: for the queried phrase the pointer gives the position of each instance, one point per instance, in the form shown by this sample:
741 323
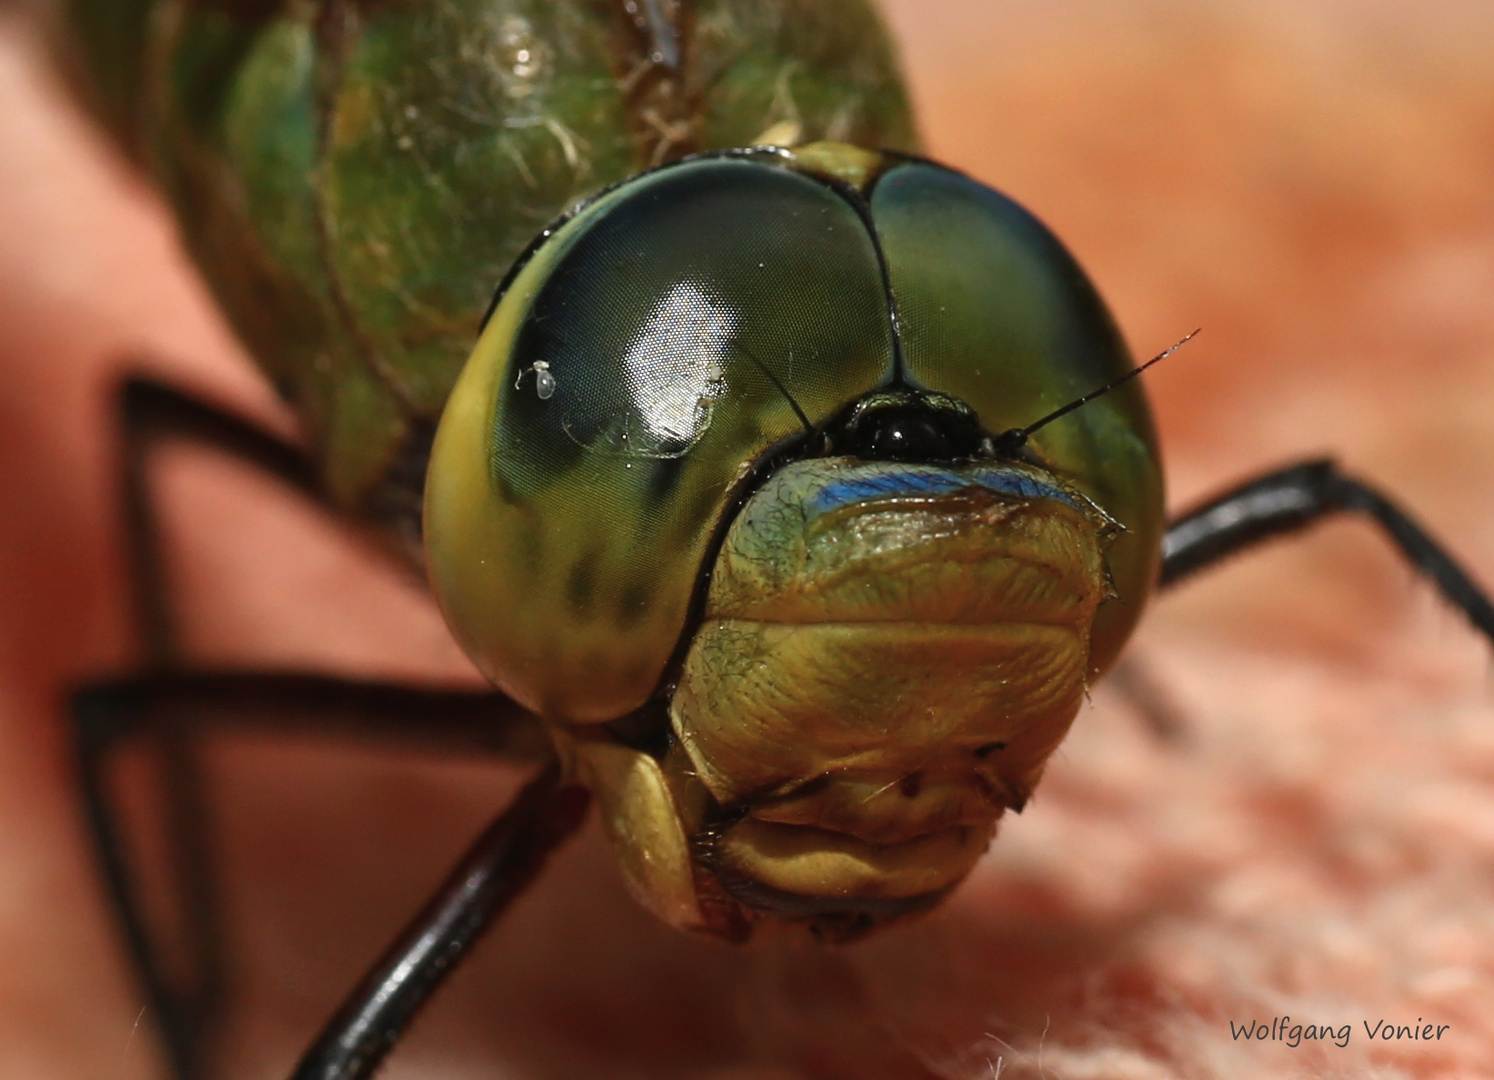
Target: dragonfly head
750 489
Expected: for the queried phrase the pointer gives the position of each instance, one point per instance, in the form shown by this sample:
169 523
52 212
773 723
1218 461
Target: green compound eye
996 312
641 363
568 552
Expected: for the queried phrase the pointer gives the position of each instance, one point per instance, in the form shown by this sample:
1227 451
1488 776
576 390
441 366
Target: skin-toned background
1312 182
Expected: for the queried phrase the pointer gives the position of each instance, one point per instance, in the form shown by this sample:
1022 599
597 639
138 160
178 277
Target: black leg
496 870
434 719
149 413
178 1009
1290 500
108 716
1134 680
166 710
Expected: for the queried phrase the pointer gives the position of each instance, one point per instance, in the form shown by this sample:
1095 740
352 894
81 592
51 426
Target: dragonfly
1285 501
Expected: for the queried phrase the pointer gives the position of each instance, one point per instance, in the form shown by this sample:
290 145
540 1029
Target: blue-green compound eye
661 341
996 312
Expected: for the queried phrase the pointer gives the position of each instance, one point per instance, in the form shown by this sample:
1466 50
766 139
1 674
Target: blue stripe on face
888 481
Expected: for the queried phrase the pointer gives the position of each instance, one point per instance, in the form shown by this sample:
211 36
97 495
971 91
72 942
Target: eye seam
985 749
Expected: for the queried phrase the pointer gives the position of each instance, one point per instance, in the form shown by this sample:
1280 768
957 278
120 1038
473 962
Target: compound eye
649 351
994 311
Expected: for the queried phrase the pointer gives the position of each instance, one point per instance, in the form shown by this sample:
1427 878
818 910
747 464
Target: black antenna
803 419
1009 442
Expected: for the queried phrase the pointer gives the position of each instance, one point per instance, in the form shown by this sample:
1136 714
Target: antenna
808 427
1009 442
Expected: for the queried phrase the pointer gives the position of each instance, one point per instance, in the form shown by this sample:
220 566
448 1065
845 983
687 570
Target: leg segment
494 872
167 710
174 710
474 722
150 412
1290 500
1133 679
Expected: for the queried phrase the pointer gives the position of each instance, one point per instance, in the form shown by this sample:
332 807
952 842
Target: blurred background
1312 182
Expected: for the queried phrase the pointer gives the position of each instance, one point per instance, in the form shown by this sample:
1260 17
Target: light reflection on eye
672 369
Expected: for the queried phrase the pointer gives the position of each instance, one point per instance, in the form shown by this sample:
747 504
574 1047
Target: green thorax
354 179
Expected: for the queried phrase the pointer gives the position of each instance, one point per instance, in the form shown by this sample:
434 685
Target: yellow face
888 656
